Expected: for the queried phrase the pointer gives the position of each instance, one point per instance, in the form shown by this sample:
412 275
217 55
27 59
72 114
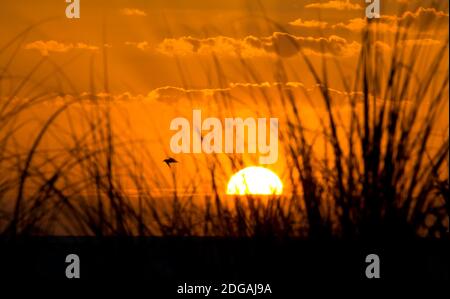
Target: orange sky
144 36
166 57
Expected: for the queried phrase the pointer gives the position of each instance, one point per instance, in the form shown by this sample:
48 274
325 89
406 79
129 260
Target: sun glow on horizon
254 180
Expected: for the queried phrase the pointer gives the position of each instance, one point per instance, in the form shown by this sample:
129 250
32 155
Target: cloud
87 47
338 5
253 85
219 45
281 44
382 47
355 25
287 45
133 12
171 94
428 21
45 47
143 46
422 18
240 92
101 97
309 24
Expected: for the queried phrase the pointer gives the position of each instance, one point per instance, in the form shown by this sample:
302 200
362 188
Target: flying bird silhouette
169 161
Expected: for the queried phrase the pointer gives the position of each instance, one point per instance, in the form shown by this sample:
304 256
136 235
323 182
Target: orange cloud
45 47
422 18
339 5
308 24
143 46
133 12
355 25
237 91
171 94
281 44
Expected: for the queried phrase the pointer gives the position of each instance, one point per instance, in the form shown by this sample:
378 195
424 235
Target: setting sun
254 180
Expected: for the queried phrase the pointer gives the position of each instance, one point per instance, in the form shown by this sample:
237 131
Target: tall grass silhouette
381 173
